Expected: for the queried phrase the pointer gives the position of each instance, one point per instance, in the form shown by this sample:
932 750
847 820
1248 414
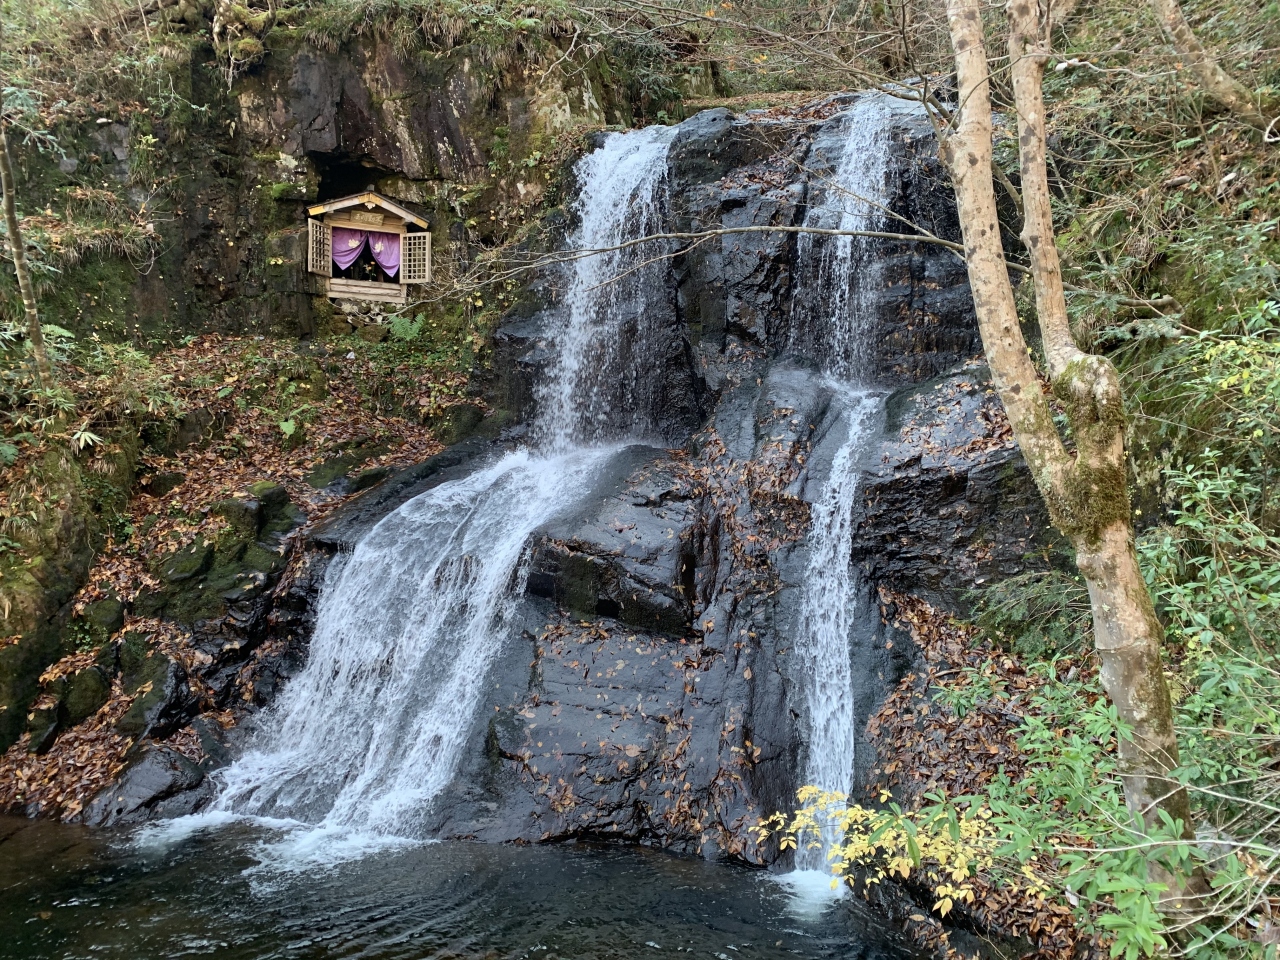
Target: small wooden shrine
368 247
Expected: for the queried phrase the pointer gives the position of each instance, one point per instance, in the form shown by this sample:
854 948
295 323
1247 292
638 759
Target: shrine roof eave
370 200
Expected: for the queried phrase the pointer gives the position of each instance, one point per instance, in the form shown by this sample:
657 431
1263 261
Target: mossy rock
44 726
107 659
243 516
271 495
202 579
455 423
163 484
257 558
187 563
295 439
87 691
279 514
196 427
36 586
100 620
315 386
134 655
335 468
330 470
163 702
369 478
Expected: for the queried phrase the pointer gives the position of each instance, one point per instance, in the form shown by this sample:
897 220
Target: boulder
162 484
948 502
158 774
102 619
244 516
87 691
164 701
44 724
187 563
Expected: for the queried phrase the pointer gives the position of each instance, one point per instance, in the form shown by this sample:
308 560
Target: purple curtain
347 245
385 248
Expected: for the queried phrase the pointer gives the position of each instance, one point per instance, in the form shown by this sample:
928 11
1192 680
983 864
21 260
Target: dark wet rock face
158 783
607 731
655 694
949 503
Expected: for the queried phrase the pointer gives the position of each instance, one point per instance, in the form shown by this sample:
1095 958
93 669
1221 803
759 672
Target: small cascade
372 729
836 280
829 603
604 382
833 274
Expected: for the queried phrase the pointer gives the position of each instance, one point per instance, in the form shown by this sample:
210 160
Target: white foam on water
811 892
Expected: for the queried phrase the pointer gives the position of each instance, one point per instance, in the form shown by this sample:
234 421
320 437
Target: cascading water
603 383
372 729
837 280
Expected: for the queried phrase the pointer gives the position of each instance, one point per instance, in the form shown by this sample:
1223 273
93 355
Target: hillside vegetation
1167 211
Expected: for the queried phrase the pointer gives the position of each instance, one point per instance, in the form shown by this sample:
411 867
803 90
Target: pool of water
68 892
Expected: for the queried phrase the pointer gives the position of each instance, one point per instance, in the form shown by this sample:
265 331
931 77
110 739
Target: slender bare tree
1086 489
44 370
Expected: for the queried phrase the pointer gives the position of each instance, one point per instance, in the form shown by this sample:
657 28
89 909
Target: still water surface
67 892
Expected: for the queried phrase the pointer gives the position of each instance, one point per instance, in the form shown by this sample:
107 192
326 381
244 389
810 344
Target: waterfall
834 299
373 727
603 382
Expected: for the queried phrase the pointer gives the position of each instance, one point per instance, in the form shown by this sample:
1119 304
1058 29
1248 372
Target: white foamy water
833 318
604 381
358 745
831 307
830 602
371 730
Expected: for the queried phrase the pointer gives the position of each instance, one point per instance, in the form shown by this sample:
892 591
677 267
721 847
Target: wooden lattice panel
319 248
415 258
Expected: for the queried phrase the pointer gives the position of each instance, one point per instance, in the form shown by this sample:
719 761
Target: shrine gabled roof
368 199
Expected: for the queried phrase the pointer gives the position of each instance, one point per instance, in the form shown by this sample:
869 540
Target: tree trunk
44 370
1086 492
1216 83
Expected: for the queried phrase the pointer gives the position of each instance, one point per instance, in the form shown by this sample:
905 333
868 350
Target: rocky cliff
652 694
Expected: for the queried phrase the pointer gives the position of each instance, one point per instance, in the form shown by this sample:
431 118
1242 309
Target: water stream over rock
362 741
369 732
603 383
641 606
832 315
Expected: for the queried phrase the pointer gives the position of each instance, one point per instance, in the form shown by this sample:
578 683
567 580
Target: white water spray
372 729
833 319
604 382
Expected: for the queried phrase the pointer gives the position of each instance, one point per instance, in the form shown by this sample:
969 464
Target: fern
404 328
